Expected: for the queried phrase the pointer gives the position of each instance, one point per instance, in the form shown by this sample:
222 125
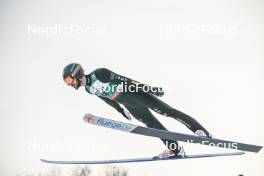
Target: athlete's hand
158 91
126 114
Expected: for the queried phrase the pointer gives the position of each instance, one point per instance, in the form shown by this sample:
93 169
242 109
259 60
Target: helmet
73 70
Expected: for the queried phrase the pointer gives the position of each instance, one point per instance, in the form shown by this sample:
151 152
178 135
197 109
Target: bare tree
81 171
55 171
115 171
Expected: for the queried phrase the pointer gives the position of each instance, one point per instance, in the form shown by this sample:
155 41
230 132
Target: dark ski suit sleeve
106 75
113 104
116 106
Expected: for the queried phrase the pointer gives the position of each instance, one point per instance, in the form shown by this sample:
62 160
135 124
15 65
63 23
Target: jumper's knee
181 117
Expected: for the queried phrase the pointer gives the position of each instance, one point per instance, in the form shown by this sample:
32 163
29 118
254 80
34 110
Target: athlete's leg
143 114
162 108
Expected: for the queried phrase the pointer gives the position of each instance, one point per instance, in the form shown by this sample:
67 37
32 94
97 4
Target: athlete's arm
117 107
106 76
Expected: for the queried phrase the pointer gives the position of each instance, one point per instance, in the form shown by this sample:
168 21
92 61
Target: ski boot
201 133
170 154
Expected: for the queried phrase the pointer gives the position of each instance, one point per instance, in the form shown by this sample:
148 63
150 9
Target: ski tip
44 161
88 118
50 161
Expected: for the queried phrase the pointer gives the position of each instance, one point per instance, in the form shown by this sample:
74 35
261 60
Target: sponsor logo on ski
114 125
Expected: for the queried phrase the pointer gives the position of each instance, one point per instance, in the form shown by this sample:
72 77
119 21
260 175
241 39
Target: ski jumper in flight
137 98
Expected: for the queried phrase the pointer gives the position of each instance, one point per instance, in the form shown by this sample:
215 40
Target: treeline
82 171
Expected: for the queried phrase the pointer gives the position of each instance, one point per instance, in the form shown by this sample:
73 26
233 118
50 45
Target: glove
126 114
158 91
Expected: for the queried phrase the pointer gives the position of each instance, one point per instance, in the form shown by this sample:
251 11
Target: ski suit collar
88 79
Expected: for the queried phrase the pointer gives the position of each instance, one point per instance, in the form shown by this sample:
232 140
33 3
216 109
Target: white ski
92 119
147 159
